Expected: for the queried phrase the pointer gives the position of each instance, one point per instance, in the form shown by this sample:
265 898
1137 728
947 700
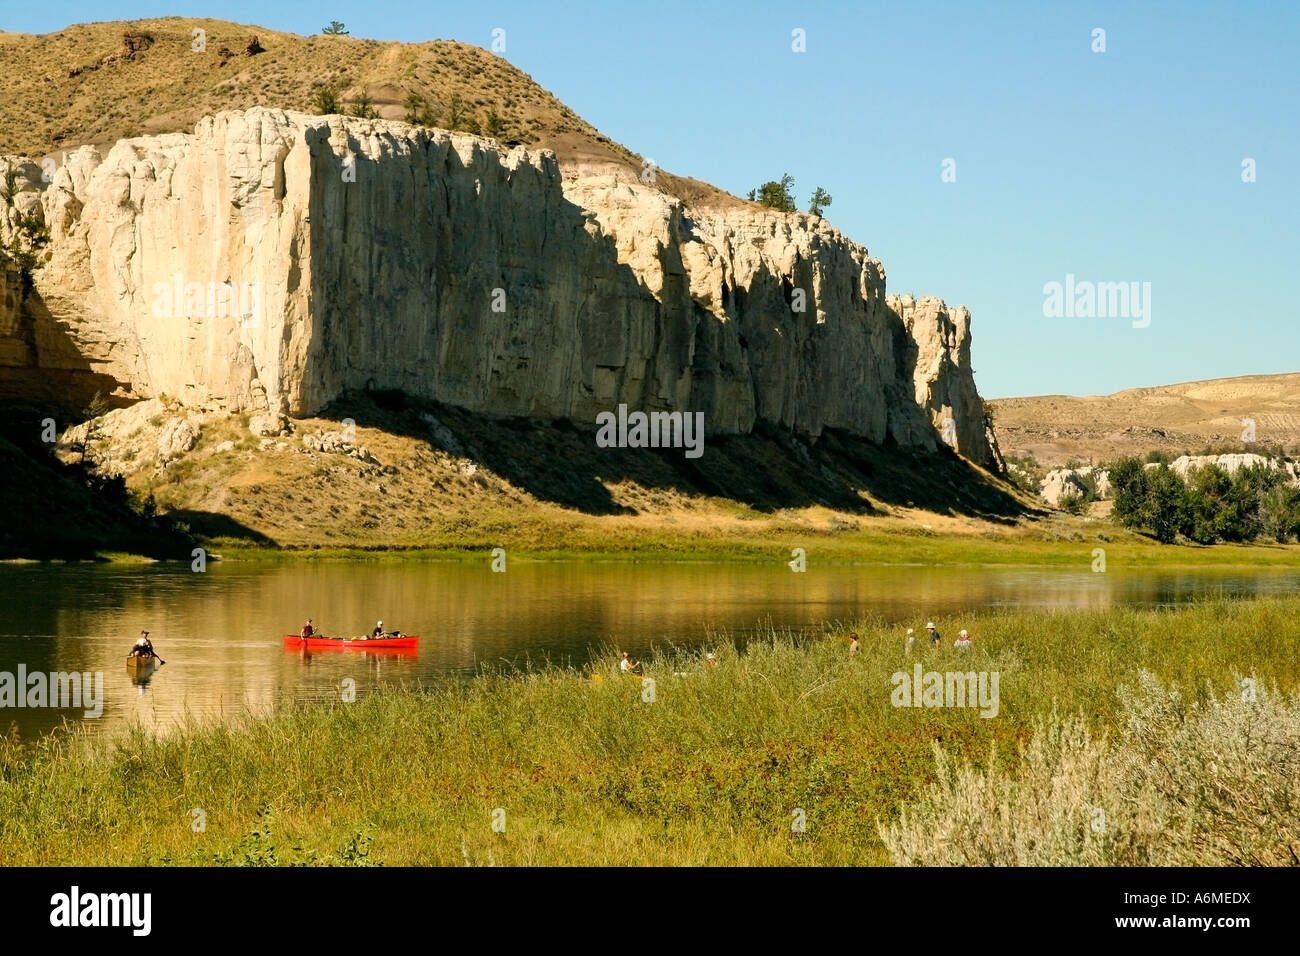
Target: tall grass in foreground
587 771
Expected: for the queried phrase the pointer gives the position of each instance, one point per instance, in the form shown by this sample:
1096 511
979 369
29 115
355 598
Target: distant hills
1188 417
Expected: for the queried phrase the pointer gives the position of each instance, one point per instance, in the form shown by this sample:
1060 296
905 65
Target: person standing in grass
963 642
934 635
911 640
853 645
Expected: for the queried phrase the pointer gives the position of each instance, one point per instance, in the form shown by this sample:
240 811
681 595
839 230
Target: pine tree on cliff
775 194
820 200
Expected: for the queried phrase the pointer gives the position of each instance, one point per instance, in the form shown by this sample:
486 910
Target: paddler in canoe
142 655
379 636
143 647
379 633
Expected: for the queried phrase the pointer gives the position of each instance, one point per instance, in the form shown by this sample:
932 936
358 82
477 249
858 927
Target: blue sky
1122 166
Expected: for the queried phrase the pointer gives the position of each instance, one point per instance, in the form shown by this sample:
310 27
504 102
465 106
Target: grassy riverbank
587 771
1060 541
1064 542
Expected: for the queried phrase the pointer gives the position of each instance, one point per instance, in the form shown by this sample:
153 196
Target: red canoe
373 643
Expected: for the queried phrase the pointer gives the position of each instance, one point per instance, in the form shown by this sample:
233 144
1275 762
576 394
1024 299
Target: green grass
588 772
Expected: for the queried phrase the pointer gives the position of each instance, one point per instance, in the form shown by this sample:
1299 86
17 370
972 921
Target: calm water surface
221 632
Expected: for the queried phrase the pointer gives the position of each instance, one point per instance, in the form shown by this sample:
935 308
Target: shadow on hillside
767 470
210 524
65 512
558 461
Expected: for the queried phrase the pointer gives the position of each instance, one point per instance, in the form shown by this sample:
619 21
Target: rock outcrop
1065 481
272 260
1061 483
938 359
148 434
1184 465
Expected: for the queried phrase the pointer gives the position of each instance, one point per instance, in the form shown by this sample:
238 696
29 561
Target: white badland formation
390 256
1232 463
1061 482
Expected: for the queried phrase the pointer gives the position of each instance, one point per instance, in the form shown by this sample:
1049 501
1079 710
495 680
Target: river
221 631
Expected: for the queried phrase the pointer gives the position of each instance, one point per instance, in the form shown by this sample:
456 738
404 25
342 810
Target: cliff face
938 357
13 348
271 260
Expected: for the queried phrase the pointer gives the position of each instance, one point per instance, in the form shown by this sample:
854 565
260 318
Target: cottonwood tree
1166 504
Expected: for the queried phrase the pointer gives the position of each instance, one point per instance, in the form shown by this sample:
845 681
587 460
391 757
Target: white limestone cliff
376 254
937 356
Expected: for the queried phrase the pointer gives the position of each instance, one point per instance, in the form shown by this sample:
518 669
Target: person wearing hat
911 640
379 630
710 662
934 634
963 642
142 647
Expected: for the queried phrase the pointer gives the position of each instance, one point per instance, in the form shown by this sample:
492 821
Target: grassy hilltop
100 82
